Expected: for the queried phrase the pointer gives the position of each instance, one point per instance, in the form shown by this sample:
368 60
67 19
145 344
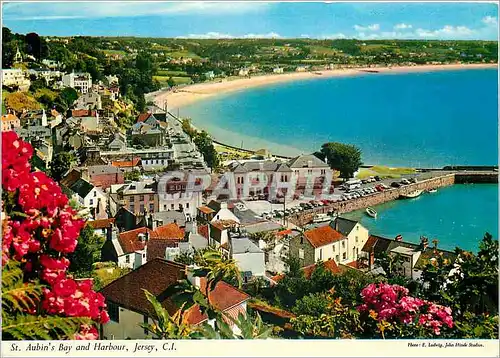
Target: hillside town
159 202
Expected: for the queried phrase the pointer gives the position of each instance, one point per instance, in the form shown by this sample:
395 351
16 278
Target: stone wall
373 199
463 178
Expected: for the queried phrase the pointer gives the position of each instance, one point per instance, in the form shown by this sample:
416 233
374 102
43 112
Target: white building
249 258
78 81
88 196
89 100
15 77
278 70
128 249
357 236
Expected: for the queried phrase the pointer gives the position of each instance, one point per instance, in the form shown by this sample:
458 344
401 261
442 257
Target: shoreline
200 91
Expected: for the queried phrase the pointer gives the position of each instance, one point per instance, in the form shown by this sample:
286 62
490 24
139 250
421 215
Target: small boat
433 191
371 212
319 218
412 195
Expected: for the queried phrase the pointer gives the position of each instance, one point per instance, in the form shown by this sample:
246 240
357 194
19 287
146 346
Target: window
301 254
337 258
187 205
151 197
152 207
141 197
333 247
113 312
165 207
132 208
141 208
95 193
127 259
321 254
356 239
172 206
344 256
343 244
91 202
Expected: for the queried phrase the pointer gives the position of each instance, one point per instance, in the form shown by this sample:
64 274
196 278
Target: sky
322 20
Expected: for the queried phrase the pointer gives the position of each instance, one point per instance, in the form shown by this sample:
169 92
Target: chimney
223 205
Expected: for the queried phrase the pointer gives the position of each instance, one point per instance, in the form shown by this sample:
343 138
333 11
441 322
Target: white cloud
402 26
374 27
69 10
208 35
270 35
333 36
490 20
218 35
447 31
364 36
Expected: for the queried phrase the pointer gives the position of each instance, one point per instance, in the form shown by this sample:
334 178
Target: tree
88 252
66 98
343 157
392 264
133 175
205 146
35 45
60 164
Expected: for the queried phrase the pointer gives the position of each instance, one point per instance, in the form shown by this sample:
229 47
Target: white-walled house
128 249
357 236
80 81
88 195
224 214
248 256
128 307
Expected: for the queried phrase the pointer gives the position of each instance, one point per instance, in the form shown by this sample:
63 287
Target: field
178 80
172 73
384 172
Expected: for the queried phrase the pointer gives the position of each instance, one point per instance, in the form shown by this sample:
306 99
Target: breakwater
377 198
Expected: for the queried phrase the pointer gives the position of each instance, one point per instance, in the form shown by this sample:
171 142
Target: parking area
364 188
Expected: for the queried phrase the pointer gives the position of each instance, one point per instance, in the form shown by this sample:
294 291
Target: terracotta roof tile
143 116
203 231
224 224
9 117
206 210
129 240
323 235
83 113
101 224
170 232
126 163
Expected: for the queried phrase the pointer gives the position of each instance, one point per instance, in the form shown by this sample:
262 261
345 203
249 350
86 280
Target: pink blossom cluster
39 230
392 304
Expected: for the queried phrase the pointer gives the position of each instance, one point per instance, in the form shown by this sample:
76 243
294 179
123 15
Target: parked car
395 184
412 180
405 181
377 178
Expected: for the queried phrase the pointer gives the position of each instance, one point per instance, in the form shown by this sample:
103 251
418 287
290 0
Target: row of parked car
364 192
297 209
396 184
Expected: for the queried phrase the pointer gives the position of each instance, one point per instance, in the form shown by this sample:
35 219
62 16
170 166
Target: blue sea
425 119
458 215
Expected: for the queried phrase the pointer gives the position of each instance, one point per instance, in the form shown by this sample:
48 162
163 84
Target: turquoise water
413 119
457 215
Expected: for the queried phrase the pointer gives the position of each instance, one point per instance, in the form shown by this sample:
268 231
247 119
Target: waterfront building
138 197
173 195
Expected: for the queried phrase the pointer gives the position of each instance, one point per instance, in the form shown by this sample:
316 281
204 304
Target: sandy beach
190 94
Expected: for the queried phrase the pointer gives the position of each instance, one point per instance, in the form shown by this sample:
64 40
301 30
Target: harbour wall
377 198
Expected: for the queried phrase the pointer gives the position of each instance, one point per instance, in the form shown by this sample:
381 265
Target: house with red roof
128 248
128 307
319 244
329 265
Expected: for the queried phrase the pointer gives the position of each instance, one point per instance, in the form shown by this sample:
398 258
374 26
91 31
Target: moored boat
371 212
412 195
319 218
433 191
